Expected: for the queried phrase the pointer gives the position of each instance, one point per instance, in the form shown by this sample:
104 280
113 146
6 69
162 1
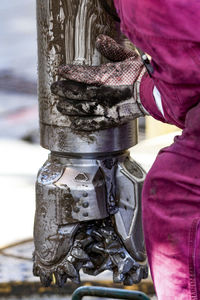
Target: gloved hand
98 97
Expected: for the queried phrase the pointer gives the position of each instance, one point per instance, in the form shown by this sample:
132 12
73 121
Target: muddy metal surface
17 281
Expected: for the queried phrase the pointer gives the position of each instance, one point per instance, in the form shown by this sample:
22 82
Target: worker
169 31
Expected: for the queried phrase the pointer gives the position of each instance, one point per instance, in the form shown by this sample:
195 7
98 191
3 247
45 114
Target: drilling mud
67 31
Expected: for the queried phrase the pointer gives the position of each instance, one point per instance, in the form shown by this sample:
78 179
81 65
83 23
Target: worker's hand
98 97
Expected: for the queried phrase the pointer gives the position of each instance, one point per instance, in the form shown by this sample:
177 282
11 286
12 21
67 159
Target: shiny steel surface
67 31
88 217
62 139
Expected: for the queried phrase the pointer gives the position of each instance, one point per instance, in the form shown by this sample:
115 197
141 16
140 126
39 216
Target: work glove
99 97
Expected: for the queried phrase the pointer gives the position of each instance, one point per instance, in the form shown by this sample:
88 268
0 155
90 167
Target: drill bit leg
88 217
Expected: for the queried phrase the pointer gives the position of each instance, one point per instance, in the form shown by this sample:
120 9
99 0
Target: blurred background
21 156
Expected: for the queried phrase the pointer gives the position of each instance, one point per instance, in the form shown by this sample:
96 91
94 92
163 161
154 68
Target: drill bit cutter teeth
85 219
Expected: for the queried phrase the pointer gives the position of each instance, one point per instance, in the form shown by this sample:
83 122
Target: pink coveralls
169 31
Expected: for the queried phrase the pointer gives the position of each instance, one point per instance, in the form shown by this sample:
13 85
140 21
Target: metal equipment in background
103 292
88 192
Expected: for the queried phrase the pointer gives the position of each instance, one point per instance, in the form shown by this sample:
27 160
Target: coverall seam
195 57
192 275
164 40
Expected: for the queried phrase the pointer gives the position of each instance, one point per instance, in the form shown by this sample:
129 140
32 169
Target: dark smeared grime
76 91
96 248
93 108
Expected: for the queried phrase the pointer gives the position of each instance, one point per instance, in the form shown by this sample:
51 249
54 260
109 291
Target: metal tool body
88 192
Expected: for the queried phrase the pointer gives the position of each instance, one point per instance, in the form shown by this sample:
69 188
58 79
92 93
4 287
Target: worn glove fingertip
102 38
104 41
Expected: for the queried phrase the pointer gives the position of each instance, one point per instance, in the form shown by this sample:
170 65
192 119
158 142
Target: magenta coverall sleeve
169 31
